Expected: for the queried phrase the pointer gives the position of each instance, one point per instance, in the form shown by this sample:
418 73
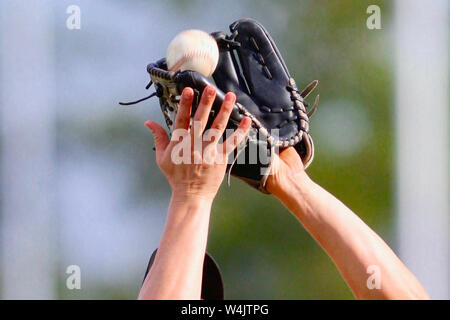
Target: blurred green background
263 251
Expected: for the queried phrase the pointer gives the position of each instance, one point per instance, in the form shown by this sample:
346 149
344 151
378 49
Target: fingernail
148 125
229 96
187 92
210 90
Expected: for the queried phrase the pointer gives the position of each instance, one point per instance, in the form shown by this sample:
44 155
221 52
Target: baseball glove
251 66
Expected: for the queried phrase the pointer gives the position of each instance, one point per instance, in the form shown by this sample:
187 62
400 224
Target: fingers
160 136
182 120
221 120
204 107
237 136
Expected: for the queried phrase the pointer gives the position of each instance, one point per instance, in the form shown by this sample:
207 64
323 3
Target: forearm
350 243
177 270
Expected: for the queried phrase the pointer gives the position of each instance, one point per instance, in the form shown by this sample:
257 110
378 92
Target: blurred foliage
123 137
262 249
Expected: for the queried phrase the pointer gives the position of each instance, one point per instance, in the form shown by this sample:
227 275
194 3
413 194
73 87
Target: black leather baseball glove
251 66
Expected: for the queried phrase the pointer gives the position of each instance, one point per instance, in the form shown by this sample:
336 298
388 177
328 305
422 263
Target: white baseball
193 50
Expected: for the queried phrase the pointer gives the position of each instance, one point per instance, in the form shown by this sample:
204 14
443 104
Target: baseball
193 50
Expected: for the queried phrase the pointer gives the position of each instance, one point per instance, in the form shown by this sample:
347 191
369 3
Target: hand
286 167
201 171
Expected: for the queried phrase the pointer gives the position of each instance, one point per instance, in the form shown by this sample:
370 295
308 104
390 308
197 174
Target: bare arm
350 243
177 270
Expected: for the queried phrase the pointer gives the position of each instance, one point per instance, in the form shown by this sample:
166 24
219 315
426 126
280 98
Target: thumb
160 136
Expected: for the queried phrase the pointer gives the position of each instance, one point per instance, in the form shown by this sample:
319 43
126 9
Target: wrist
283 185
182 196
293 190
184 208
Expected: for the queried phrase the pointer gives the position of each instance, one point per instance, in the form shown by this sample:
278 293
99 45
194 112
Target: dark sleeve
212 284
